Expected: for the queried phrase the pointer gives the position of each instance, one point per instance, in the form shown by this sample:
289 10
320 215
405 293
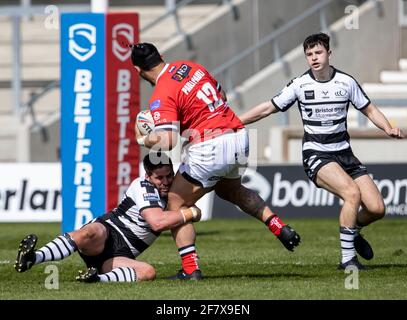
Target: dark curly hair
315 39
156 160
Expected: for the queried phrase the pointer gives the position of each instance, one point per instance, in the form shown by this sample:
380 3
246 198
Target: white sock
120 274
347 236
58 249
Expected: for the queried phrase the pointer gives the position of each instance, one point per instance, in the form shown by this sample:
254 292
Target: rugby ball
145 122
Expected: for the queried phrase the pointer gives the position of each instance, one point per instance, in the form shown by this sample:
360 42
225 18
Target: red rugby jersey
185 92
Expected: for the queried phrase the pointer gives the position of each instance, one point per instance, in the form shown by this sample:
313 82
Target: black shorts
115 246
315 160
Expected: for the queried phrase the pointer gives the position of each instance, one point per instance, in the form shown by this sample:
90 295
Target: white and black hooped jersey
323 107
127 220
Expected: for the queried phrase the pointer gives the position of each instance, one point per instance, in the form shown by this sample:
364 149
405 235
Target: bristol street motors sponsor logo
122 35
308 111
327 112
82 41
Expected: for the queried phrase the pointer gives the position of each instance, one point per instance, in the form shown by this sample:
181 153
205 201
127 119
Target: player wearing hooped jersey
188 101
109 244
323 94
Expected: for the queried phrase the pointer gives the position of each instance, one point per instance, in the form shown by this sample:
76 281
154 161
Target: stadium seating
40 62
40 66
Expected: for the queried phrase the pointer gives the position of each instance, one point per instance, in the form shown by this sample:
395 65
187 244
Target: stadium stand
40 69
244 25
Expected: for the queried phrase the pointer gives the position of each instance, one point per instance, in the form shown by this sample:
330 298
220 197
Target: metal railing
395 103
28 108
28 10
16 13
173 11
319 8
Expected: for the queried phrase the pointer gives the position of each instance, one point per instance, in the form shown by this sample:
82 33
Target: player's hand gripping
395 133
140 138
193 214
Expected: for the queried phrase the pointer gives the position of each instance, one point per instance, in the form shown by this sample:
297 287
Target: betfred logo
83 167
82 41
122 35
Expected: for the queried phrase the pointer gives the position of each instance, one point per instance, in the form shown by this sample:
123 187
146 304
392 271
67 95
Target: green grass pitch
240 259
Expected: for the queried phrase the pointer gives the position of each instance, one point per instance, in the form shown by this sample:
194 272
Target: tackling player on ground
109 244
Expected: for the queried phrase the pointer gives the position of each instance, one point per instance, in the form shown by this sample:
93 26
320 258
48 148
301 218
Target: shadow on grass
386 266
198 234
250 276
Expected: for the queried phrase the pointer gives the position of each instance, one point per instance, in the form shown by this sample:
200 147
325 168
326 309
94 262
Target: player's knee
89 234
352 194
145 273
378 209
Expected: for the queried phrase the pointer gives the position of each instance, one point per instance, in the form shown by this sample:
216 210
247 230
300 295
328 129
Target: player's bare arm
380 121
160 220
258 112
164 140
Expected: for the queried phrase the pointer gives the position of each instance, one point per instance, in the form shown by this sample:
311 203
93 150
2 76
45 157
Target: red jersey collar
162 71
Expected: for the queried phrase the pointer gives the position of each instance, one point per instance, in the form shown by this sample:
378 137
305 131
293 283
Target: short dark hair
145 55
315 39
156 160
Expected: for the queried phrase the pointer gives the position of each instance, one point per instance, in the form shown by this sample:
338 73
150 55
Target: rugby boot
181 275
289 237
89 276
352 262
363 247
26 253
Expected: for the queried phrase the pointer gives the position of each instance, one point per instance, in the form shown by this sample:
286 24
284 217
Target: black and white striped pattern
127 220
347 236
186 250
58 249
323 107
120 274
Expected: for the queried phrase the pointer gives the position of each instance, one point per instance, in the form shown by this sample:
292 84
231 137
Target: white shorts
224 156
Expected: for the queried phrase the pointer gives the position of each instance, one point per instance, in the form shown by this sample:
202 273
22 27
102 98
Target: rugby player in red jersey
188 101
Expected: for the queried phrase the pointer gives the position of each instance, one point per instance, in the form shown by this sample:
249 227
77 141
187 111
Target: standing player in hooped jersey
323 94
189 101
109 244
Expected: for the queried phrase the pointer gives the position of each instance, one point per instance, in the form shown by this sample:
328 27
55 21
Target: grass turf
240 259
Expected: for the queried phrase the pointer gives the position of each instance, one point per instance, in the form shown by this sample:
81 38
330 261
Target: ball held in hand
145 122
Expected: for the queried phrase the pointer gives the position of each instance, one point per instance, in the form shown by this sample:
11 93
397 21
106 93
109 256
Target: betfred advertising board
99 101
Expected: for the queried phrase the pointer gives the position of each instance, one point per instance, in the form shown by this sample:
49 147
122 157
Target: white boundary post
99 6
